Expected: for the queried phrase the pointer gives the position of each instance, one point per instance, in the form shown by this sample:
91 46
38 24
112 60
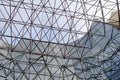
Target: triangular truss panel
59 39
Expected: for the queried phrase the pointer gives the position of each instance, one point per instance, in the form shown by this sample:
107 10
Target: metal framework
59 40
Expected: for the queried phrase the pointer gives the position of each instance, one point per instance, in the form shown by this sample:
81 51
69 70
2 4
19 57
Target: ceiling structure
59 39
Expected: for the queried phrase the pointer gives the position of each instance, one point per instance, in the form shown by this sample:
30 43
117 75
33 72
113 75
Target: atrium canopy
59 39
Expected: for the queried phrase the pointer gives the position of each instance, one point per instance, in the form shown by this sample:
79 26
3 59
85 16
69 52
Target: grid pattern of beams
58 39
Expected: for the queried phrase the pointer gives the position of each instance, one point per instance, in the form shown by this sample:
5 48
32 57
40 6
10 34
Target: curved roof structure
59 39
